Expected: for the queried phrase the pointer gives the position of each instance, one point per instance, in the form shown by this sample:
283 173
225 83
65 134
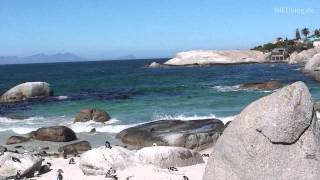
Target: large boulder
193 134
268 85
166 156
99 160
26 91
313 64
92 114
16 140
54 133
27 166
303 56
75 148
275 137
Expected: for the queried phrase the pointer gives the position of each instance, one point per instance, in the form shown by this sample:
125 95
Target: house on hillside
314 39
278 55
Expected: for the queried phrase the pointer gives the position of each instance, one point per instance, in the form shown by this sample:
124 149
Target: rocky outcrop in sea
25 91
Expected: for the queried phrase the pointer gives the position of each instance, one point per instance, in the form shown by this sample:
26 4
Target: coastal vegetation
296 44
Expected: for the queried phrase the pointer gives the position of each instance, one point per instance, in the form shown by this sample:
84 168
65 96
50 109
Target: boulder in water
54 133
155 65
275 137
268 85
27 91
192 134
166 156
16 140
92 114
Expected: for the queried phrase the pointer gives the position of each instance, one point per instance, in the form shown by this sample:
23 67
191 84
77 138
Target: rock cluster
92 114
99 160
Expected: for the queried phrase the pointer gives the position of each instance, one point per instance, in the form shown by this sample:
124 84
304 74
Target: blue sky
106 29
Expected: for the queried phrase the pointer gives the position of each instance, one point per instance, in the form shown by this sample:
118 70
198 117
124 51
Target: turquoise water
132 94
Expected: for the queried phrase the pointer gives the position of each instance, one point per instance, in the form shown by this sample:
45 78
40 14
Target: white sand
141 172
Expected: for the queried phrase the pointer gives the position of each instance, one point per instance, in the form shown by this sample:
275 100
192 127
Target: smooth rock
193 134
75 148
208 57
166 156
99 160
28 165
92 114
16 140
154 65
54 133
275 137
303 56
268 85
312 64
26 91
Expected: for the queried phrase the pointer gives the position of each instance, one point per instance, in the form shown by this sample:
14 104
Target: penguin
14 159
128 178
60 177
205 155
173 169
114 177
71 161
18 175
107 144
65 156
185 178
110 173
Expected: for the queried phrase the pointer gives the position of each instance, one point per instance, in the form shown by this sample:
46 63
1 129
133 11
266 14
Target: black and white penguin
185 178
60 177
107 144
205 155
173 169
71 161
110 173
128 178
18 175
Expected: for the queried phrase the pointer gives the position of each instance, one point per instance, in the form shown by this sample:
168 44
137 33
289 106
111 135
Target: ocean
133 94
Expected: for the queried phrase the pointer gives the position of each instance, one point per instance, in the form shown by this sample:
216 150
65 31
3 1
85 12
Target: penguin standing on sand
60 177
111 172
71 161
107 144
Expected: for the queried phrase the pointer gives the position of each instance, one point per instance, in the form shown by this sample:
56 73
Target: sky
107 29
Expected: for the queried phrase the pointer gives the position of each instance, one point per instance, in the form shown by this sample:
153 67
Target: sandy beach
138 172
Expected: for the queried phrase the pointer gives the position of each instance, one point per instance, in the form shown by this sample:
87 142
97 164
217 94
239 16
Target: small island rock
27 91
92 114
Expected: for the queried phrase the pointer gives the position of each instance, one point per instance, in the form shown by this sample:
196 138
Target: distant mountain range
40 58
